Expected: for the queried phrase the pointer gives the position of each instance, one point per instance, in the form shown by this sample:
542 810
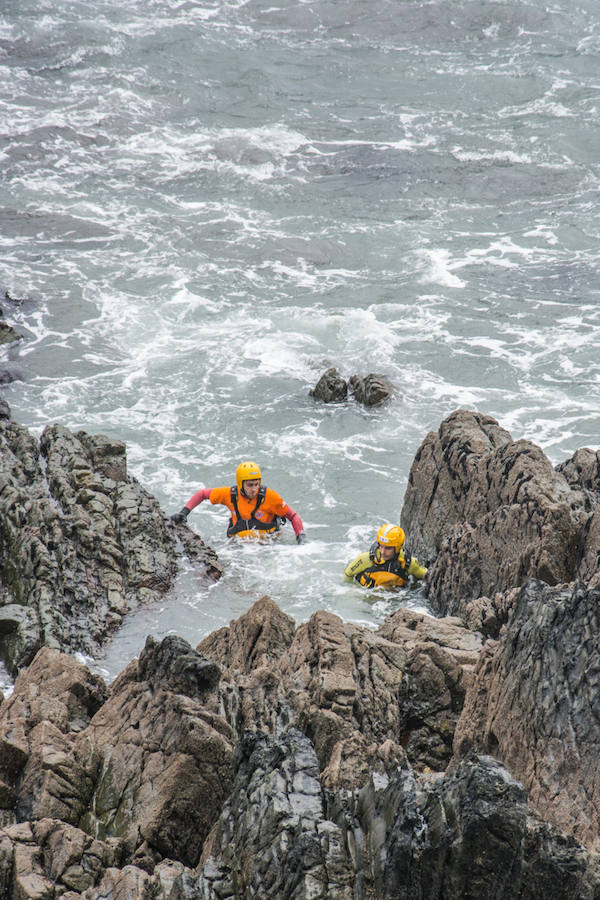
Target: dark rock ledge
446 757
81 542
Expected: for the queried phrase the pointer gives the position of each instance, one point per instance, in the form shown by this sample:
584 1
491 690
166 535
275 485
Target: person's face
386 552
251 487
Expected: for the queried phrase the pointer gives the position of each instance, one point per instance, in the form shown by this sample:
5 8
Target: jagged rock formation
56 697
146 789
365 698
469 834
492 512
582 472
159 756
533 704
325 760
145 767
274 837
81 542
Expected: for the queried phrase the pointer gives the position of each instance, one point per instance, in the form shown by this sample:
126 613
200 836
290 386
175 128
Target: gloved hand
301 538
181 516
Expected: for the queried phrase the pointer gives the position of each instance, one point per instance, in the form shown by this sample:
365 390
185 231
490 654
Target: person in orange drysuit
256 510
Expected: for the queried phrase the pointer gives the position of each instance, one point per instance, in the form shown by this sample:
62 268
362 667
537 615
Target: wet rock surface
81 542
490 512
445 757
366 699
369 390
8 334
330 388
155 786
533 704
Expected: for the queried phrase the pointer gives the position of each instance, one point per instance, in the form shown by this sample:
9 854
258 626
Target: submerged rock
8 334
330 388
370 390
18 301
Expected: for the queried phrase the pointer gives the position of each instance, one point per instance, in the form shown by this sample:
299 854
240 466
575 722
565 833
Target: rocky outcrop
365 699
479 839
370 390
56 697
145 766
533 704
274 837
159 756
48 859
492 512
582 472
324 760
152 794
81 542
8 334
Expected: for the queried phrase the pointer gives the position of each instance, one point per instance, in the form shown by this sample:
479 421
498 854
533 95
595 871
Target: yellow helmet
391 536
246 471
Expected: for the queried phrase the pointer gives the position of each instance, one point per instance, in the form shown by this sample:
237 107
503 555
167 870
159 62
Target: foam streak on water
210 203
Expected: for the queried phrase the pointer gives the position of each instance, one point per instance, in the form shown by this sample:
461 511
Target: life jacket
239 527
384 572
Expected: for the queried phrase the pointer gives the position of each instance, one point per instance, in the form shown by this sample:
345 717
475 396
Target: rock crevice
433 757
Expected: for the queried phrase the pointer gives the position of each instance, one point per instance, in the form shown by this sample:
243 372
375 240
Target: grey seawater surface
210 203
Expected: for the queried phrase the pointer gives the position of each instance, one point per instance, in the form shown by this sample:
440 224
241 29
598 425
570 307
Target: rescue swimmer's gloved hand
301 538
181 516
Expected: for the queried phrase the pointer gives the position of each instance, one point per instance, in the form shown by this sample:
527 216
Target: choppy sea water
208 204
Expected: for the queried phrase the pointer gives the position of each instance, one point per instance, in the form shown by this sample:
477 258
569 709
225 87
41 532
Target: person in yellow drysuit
385 564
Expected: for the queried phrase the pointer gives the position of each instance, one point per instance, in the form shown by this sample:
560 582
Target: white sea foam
205 224
440 269
254 152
